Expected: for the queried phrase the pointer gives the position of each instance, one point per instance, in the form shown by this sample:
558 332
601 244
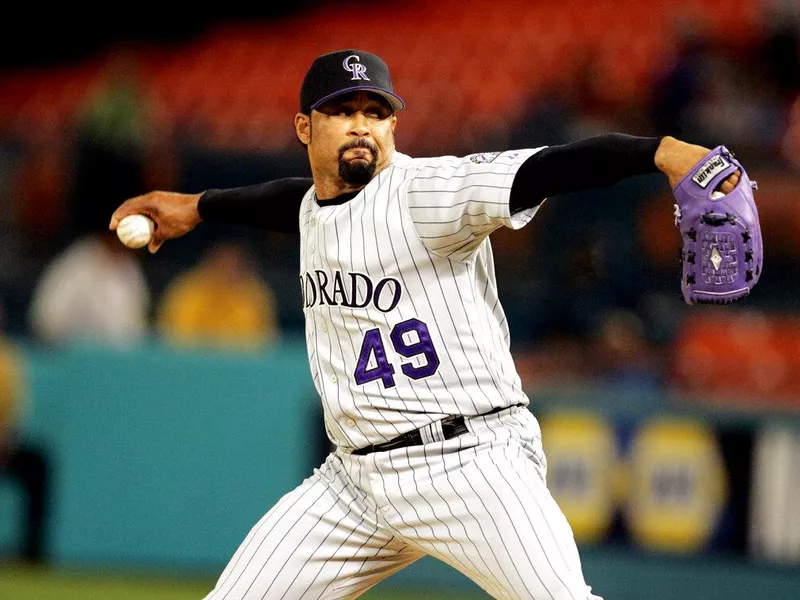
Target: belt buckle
454 426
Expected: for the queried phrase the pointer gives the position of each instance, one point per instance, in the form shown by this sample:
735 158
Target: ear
302 127
393 136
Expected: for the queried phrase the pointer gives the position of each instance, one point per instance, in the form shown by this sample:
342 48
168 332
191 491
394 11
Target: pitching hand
675 158
173 213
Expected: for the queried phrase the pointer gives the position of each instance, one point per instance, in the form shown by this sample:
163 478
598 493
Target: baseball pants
478 502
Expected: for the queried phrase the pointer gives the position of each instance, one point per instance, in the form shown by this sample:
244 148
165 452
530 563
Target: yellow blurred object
10 387
677 485
581 451
219 302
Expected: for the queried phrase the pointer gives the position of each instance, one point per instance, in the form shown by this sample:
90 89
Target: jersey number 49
410 339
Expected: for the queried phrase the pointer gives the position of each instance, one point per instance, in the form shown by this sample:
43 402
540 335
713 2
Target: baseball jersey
403 321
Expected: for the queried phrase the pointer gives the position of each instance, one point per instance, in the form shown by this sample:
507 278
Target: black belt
451 427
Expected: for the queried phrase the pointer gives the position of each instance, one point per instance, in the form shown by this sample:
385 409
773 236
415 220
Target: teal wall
164 459
169 457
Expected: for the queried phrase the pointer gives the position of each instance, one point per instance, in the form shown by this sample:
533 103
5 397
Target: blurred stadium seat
738 358
483 60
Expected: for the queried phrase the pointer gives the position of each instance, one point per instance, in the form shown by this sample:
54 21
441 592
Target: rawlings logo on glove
721 252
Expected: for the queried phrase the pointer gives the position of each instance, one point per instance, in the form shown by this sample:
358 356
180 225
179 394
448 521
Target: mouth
357 154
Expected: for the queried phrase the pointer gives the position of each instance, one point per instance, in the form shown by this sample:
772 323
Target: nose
359 125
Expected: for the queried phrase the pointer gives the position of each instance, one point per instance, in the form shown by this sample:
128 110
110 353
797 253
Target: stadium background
671 430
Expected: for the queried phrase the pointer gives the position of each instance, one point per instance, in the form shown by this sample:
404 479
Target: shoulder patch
484 157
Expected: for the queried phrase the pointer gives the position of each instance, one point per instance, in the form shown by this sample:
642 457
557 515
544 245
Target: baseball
135 231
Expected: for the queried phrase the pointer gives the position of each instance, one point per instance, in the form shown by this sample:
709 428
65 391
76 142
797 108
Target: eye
378 112
338 111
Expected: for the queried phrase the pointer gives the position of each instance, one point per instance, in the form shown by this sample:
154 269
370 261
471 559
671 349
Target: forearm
272 206
597 161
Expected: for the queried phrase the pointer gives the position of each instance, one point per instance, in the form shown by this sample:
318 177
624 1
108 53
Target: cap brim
396 101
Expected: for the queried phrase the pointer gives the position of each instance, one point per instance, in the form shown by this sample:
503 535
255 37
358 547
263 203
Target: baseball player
436 452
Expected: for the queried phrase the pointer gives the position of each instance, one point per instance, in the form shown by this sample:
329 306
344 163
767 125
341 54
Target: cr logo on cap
358 70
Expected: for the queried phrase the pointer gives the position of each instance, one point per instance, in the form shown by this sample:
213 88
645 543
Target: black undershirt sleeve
272 206
598 161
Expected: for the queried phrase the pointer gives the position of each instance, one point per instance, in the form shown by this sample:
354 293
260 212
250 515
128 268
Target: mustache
359 143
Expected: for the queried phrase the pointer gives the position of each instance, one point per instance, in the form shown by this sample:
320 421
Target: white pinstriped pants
478 502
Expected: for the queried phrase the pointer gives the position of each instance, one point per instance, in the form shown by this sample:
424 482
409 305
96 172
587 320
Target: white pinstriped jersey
403 321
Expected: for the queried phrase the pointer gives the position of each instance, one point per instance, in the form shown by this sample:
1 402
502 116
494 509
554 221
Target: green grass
28 583
17 583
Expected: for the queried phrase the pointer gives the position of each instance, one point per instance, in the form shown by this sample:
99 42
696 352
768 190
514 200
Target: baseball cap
346 71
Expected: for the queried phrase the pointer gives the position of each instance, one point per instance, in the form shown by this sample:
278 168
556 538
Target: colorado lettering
353 290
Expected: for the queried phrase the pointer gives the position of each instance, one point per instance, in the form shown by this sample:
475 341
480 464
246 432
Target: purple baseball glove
721 248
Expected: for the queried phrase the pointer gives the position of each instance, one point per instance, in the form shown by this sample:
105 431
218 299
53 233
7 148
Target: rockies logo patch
484 157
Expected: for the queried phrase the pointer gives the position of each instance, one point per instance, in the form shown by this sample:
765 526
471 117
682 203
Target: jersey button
313 248
313 221
334 379
351 423
324 327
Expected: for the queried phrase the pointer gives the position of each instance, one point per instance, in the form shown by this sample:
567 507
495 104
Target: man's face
350 138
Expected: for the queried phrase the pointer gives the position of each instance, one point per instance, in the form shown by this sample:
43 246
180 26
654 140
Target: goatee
358 172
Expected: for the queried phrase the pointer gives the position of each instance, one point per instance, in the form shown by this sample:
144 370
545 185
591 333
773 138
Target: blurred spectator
790 145
21 460
94 289
547 118
221 301
595 107
43 178
780 59
662 313
707 93
123 143
677 86
585 283
750 118
623 355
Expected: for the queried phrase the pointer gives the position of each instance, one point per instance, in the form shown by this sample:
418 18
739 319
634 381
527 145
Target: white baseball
135 231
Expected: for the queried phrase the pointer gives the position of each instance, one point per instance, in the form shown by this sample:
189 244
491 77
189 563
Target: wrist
194 203
676 158
663 152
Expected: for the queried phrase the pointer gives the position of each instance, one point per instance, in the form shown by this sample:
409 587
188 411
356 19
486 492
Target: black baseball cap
346 71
